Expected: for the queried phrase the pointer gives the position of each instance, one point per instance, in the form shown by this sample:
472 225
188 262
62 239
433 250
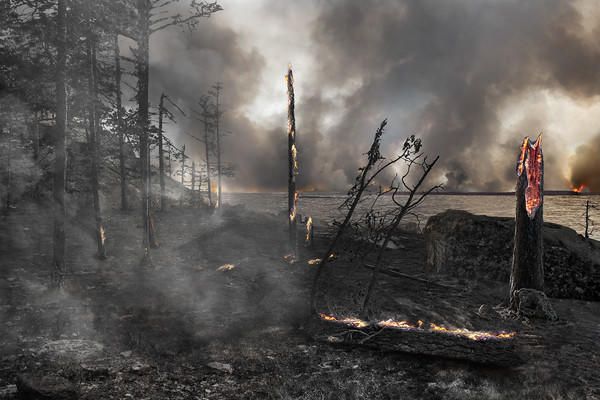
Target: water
565 210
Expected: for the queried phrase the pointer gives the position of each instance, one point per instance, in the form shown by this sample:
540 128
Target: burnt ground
183 329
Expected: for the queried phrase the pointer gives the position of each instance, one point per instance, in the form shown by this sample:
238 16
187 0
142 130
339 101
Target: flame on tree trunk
527 266
292 160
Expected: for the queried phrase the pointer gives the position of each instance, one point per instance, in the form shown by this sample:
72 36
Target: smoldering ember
375 199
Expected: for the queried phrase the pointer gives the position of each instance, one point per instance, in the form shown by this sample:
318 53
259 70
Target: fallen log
500 351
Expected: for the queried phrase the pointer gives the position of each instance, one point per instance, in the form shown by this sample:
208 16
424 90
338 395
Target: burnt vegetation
125 272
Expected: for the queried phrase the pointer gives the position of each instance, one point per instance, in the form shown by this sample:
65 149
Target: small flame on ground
289 258
226 267
405 325
314 261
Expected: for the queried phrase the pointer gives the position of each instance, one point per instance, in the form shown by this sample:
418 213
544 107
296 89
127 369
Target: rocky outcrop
479 247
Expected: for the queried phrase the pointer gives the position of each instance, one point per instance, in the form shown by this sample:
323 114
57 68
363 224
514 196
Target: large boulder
479 247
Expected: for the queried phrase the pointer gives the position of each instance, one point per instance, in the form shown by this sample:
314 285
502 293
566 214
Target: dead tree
120 127
588 223
527 264
94 126
205 118
292 161
154 16
216 92
363 180
60 134
162 112
412 156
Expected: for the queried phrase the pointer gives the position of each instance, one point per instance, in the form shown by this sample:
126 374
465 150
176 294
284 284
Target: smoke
472 79
585 166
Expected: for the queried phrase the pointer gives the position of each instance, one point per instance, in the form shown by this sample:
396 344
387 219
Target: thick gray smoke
445 71
585 166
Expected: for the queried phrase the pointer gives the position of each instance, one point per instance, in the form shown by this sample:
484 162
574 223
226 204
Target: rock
220 367
47 387
533 303
139 368
479 247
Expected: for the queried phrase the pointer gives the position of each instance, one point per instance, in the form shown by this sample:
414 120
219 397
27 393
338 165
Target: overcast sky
472 78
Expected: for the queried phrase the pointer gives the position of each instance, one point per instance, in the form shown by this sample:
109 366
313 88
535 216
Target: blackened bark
207 148
292 162
161 155
119 104
218 88
527 265
142 72
93 119
60 159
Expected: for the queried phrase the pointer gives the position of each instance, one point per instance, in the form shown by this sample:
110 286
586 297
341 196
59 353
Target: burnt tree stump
527 265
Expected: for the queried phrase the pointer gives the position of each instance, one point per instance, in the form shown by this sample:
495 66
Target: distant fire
314 261
420 326
289 258
294 208
531 161
578 189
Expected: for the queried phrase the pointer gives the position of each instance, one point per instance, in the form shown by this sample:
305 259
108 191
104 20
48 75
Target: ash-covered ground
193 327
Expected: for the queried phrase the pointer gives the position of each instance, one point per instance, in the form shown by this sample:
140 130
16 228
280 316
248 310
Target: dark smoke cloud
585 165
442 70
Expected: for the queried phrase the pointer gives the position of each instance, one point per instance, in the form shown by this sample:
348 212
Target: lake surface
565 210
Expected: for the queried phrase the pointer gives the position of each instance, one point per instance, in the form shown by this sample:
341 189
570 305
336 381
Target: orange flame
579 189
102 234
293 210
309 227
531 161
420 326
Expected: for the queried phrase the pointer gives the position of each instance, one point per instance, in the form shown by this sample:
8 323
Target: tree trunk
122 170
142 71
218 136
206 148
60 136
161 156
527 265
8 169
292 162
93 143
193 184
182 176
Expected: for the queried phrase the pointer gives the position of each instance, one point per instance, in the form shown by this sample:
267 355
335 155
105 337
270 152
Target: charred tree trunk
8 169
119 104
206 148
161 156
93 120
142 72
292 162
182 176
527 265
218 88
60 134
587 219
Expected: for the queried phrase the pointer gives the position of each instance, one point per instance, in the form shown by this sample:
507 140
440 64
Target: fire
102 234
294 208
314 261
420 326
289 258
355 322
226 267
578 189
531 161
295 158
309 225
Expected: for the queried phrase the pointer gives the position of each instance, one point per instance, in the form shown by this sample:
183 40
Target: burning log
292 160
527 266
483 347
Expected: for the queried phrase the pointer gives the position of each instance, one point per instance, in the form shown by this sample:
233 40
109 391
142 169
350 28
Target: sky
471 78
